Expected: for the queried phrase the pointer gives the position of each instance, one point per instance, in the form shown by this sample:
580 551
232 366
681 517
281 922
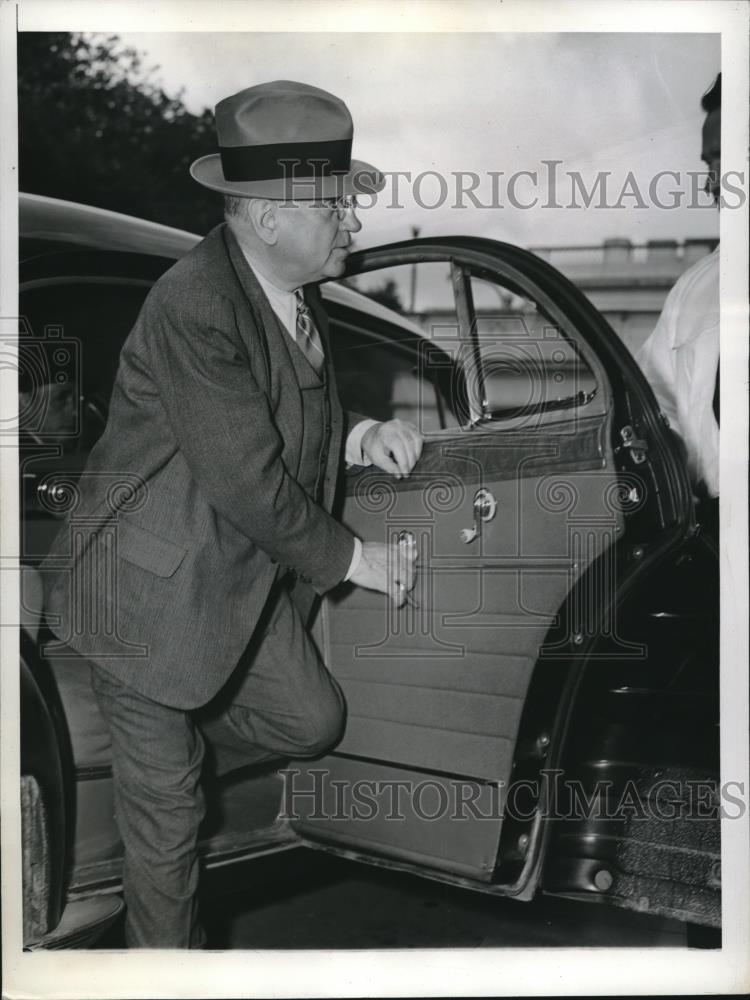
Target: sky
484 103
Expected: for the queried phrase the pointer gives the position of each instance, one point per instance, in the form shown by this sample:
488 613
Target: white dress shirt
284 304
680 361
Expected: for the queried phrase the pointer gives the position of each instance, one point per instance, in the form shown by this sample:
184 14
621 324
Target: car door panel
435 692
373 817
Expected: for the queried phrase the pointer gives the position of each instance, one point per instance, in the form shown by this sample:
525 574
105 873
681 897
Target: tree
387 294
95 128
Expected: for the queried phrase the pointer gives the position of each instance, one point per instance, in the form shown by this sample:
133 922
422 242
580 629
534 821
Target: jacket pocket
149 551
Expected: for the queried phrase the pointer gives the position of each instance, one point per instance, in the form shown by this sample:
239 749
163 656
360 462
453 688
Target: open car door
515 507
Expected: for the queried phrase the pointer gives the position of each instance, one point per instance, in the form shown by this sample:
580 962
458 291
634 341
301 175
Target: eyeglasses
340 205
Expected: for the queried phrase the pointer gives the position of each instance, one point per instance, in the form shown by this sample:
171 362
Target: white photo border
433 972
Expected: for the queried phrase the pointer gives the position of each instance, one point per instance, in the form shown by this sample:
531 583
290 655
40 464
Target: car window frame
492 261
449 390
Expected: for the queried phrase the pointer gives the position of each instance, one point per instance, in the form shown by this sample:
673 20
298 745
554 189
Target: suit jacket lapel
278 347
274 340
278 343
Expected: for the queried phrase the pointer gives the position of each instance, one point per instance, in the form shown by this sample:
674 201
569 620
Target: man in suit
202 525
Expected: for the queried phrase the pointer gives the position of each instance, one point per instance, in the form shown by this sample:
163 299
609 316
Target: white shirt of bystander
680 360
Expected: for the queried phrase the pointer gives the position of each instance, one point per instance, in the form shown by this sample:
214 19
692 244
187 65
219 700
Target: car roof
51 221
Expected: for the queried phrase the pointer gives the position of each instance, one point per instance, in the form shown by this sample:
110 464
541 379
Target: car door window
381 381
388 369
90 317
513 361
72 331
412 290
528 365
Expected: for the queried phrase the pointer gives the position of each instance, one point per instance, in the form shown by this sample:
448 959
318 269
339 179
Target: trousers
280 702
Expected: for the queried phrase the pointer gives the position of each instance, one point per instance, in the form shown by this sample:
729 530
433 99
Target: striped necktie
308 338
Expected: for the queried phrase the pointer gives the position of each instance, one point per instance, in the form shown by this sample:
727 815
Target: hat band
286 160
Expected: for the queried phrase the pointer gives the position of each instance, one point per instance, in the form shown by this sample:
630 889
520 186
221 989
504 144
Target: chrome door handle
407 543
485 508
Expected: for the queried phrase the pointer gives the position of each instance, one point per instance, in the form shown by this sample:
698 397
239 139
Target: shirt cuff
357 555
353 453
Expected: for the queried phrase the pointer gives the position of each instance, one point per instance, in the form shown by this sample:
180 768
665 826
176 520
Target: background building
627 282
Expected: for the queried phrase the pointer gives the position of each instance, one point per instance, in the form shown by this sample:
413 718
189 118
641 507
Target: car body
544 711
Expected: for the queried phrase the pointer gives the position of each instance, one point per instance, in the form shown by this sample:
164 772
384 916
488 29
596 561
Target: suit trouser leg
157 754
280 702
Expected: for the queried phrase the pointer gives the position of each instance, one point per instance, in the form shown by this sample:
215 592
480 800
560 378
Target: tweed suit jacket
189 504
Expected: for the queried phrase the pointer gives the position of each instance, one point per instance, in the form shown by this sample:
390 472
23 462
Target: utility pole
415 234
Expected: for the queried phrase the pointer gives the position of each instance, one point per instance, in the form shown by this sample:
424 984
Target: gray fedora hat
285 140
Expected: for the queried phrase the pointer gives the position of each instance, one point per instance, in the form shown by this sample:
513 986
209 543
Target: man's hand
391 569
394 446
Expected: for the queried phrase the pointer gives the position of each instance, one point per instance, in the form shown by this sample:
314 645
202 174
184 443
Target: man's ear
264 219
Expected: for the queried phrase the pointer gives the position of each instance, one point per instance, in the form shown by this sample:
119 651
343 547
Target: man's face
314 239
711 152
